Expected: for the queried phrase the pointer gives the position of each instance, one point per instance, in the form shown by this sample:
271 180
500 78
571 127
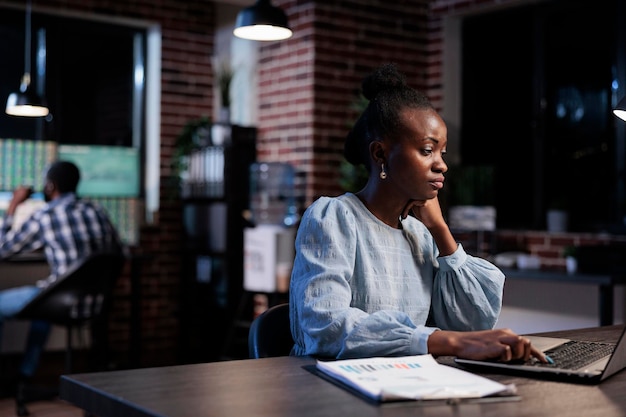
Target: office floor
51 367
52 408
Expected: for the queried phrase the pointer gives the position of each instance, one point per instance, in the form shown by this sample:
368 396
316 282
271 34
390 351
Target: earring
383 174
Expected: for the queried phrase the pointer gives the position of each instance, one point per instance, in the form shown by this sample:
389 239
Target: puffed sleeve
467 294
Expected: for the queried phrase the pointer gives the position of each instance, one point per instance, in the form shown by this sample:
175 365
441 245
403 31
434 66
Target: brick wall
549 247
308 83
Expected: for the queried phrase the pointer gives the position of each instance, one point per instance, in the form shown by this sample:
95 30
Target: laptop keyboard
577 354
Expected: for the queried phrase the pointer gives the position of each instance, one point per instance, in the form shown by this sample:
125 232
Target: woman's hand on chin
412 204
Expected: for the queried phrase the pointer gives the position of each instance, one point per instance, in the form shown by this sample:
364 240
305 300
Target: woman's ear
377 152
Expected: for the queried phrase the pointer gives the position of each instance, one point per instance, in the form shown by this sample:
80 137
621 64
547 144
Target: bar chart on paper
418 377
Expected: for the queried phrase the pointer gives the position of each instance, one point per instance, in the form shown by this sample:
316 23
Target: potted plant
571 261
195 134
557 215
224 75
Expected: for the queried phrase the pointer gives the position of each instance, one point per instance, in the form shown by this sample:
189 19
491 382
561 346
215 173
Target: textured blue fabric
360 288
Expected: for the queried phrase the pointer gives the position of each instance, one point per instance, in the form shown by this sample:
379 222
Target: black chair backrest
81 293
270 333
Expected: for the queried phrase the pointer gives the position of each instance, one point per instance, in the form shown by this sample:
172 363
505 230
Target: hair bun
386 77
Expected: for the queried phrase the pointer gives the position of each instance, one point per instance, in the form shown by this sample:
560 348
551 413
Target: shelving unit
215 196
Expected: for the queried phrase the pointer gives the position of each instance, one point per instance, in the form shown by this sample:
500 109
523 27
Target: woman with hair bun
378 272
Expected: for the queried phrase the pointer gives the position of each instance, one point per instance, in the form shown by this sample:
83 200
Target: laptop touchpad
545 343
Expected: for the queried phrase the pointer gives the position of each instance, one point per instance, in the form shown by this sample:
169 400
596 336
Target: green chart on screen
106 171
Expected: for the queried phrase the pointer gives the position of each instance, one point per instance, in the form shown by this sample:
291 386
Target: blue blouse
360 288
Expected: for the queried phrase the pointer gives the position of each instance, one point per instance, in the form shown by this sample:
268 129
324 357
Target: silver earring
383 174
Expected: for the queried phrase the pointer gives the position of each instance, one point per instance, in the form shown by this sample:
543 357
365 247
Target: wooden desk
23 269
285 387
605 282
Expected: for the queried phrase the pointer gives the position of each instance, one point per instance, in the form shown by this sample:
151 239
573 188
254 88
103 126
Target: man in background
67 229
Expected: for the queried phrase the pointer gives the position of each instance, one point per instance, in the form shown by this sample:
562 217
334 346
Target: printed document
418 377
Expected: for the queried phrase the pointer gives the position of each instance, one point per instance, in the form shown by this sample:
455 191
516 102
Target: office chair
270 333
82 295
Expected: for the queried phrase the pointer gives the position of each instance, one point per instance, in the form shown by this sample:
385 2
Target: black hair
65 175
388 94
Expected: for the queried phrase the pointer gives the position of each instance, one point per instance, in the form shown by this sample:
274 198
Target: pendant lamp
26 102
620 109
262 22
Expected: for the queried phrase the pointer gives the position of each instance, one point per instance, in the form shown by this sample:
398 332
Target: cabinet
215 196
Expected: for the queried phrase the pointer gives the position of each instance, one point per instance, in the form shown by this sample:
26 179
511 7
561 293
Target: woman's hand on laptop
500 344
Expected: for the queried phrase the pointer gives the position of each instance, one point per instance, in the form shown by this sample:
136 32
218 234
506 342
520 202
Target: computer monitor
106 171
23 162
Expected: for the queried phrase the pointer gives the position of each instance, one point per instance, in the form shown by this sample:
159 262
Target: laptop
574 360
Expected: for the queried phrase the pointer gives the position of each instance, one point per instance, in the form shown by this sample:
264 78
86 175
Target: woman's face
415 162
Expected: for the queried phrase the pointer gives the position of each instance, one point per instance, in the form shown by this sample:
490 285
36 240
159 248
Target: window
537 99
93 73
88 71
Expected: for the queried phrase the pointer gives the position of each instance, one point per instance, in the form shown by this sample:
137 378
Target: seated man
67 229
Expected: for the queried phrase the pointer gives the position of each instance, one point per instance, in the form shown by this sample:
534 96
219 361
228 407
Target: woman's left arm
467 292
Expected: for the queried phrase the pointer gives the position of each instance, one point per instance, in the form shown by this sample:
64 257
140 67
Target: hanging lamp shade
262 22
26 102
620 109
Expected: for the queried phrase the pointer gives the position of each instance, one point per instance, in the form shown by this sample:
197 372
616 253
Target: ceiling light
620 109
26 102
262 22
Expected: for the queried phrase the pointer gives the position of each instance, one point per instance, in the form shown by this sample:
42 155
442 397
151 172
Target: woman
378 272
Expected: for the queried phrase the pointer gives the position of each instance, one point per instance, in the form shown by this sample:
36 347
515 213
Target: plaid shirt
67 228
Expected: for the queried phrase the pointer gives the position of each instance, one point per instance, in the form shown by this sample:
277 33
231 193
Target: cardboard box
268 258
472 217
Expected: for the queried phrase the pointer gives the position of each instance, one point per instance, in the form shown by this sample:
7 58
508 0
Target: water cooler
269 244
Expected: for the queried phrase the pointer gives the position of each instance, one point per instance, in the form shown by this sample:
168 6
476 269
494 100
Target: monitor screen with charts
106 171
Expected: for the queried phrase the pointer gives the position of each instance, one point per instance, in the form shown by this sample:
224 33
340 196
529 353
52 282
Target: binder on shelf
205 174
